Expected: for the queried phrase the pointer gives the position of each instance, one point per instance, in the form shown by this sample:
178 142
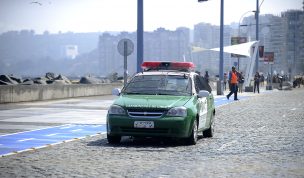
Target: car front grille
136 113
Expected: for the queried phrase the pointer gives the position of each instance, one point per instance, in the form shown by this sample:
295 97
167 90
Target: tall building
272 36
208 36
283 35
160 44
295 40
163 44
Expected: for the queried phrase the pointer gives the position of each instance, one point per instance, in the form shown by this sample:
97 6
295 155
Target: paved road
261 136
27 116
82 117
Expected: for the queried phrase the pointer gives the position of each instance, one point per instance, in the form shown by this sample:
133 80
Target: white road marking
49 135
293 109
27 139
227 145
76 130
66 127
69 116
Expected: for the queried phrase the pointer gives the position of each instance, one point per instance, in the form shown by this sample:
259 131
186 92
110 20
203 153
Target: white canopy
241 49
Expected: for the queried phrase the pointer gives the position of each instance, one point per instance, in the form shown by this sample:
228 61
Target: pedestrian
262 80
233 81
241 81
256 82
206 76
225 80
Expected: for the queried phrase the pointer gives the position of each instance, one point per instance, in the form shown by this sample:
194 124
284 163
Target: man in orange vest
233 81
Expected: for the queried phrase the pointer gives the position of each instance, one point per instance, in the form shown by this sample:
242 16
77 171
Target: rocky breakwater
51 86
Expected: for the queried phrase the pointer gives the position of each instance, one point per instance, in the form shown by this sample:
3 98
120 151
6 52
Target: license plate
144 124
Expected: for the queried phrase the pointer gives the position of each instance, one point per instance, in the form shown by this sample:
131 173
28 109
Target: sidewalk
226 92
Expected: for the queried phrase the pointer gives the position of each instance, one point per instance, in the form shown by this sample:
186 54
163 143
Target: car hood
151 101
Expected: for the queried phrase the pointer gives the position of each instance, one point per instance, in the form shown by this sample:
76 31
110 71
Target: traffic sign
125 47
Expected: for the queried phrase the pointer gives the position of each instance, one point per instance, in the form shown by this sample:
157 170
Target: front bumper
178 127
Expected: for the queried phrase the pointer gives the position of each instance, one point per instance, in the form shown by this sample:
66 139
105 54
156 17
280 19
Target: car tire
209 132
192 139
113 139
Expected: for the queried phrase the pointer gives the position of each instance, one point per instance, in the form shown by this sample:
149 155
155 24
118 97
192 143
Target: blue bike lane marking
220 101
18 142
30 140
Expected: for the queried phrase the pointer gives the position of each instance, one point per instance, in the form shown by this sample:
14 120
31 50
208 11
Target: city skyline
120 15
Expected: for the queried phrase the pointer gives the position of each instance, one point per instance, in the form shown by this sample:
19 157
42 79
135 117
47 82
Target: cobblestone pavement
258 137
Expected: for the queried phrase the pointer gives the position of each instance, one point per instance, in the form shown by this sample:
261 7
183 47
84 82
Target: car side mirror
203 93
116 91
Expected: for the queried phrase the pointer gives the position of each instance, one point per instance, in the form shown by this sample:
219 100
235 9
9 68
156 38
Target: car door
210 100
202 107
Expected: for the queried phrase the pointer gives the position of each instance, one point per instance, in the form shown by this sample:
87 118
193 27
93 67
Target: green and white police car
168 99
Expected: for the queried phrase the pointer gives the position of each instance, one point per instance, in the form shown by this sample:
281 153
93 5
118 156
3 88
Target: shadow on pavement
136 142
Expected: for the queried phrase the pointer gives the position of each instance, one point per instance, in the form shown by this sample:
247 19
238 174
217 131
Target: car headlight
117 110
178 111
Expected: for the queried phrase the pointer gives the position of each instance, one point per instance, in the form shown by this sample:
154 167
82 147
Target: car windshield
159 85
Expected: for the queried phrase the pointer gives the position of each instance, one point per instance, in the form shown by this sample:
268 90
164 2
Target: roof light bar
157 65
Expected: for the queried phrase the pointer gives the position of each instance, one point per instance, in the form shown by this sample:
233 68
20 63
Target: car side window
202 84
197 84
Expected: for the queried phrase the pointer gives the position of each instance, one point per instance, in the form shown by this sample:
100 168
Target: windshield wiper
135 93
163 94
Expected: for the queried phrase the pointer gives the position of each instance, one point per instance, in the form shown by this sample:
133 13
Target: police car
167 99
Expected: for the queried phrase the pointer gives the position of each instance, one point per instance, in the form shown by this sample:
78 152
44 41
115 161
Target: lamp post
239 35
221 63
257 33
241 19
140 34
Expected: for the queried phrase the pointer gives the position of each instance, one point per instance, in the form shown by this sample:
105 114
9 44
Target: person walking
262 80
233 81
256 82
241 82
225 80
206 76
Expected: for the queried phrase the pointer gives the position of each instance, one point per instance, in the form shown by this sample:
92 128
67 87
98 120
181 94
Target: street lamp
239 35
221 63
241 19
258 6
140 34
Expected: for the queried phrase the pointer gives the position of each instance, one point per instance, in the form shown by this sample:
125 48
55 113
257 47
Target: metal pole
221 64
99 57
140 34
125 62
271 75
257 35
238 63
294 66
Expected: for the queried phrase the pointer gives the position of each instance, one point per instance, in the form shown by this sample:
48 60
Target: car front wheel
192 139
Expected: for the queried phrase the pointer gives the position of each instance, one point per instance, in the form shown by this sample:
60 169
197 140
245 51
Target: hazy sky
120 15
